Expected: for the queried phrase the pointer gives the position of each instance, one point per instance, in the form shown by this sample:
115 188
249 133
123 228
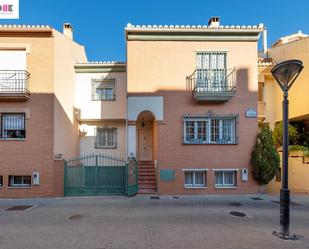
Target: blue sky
99 24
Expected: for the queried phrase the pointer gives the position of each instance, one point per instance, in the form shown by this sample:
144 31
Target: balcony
212 85
14 85
261 110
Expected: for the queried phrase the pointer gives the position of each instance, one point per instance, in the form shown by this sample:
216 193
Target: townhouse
37 94
184 104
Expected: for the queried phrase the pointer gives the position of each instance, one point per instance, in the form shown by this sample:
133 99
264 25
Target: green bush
277 134
300 147
265 158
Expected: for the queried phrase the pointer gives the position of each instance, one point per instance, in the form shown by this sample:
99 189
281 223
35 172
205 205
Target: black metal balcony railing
14 83
212 84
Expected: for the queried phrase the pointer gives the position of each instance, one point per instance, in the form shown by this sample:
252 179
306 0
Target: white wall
91 110
136 105
131 140
87 142
13 60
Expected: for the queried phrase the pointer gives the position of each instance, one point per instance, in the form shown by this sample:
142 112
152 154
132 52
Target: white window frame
194 185
106 130
209 136
225 171
19 185
102 84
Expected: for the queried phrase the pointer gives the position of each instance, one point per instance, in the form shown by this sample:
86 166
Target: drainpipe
265 41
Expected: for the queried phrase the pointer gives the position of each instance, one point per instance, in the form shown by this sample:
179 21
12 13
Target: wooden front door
145 145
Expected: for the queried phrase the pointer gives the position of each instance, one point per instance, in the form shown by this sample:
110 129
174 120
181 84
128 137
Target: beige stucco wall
87 142
164 65
40 60
67 52
298 177
298 94
97 110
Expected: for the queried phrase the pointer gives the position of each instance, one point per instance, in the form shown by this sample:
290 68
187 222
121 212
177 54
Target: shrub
265 158
277 134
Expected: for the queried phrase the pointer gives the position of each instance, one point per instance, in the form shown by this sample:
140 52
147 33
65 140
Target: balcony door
211 71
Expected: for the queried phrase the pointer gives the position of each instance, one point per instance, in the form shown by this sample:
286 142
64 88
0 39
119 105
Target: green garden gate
100 175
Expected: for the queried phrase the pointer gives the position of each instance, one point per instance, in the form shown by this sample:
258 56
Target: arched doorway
145 127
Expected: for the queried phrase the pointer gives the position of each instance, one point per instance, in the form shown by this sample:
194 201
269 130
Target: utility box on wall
244 175
36 178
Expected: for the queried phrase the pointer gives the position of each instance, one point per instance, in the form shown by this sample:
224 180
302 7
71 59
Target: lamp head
286 73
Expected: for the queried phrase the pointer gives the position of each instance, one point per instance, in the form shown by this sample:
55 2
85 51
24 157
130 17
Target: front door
145 145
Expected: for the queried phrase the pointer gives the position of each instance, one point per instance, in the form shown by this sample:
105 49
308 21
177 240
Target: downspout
265 41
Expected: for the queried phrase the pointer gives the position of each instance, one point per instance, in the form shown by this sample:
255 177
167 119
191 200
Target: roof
26 30
289 38
130 26
100 67
193 32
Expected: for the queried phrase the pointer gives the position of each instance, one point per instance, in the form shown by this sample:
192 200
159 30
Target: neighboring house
37 93
295 46
192 101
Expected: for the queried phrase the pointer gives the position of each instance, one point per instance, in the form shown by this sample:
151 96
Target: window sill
12 139
19 187
225 187
195 187
103 100
98 147
186 143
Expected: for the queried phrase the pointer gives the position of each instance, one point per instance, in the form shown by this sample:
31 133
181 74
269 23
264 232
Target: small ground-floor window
195 179
19 181
225 178
1 181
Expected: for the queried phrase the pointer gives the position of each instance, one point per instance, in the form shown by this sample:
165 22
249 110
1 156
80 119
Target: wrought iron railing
212 80
14 82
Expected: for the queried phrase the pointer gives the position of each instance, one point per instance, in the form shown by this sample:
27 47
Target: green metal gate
100 175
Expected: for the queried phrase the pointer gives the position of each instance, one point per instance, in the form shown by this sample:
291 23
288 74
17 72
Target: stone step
146 174
147 191
146 181
147 186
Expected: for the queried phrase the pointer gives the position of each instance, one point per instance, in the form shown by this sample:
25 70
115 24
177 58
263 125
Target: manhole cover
154 197
175 197
257 199
76 217
238 214
19 208
235 204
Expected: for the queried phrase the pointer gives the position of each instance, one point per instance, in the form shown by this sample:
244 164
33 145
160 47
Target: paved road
138 222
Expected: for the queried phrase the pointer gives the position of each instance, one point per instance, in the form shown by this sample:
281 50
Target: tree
265 158
278 131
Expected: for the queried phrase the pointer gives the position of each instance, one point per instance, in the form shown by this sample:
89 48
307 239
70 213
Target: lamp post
285 74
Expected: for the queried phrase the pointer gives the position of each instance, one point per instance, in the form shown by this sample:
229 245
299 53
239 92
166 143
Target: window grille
210 129
106 138
13 126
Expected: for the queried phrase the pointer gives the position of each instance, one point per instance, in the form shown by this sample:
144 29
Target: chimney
68 30
214 21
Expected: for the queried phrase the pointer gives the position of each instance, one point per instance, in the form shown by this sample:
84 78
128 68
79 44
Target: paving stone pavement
191 222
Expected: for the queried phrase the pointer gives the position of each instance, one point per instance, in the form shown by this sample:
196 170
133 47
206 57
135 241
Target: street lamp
285 74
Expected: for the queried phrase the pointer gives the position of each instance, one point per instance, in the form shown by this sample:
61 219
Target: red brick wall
173 154
33 154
